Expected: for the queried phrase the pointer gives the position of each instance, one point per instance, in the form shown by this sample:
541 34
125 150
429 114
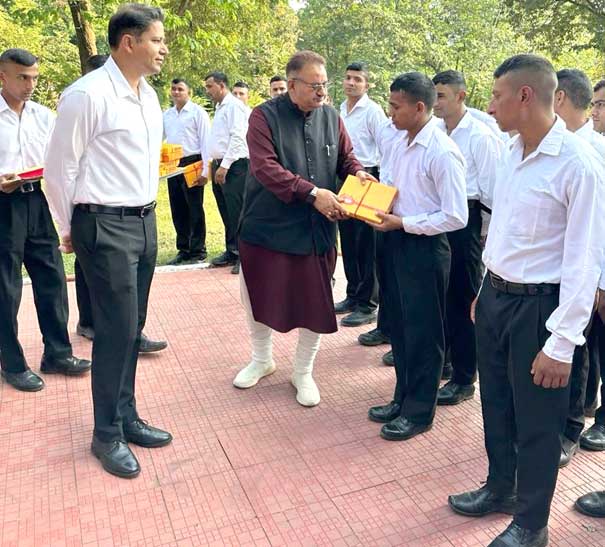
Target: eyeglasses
597 105
314 87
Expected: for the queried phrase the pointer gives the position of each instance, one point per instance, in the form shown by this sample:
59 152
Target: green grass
215 233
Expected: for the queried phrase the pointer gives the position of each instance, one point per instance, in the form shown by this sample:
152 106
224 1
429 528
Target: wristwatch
312 196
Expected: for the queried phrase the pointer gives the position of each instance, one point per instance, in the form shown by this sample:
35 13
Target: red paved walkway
248 467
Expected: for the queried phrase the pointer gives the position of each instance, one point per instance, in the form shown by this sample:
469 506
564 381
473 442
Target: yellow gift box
192 172
362 201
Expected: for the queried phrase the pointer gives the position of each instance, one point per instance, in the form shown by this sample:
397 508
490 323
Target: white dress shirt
490 121
386 139
547 227
228 134
363 124
481 150
105 148
189 127
429 174
23 138
597 140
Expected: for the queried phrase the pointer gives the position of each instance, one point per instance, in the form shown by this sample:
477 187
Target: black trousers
384 323
417 270
188 217
118 255
575 422
522 422
596 358
358 246
28 238
229 199
82 297
465 280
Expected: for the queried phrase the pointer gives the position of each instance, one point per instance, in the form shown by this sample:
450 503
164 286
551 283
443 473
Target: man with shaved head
543 261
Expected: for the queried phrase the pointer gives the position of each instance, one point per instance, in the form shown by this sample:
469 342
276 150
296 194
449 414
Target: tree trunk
85 34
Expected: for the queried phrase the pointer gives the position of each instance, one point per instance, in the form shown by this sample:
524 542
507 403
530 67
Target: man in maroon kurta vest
298 146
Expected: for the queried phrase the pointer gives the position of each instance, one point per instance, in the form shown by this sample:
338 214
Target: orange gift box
362 201
171 152
192 172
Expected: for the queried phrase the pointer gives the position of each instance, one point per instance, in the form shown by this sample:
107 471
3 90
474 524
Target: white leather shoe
307 393
251 374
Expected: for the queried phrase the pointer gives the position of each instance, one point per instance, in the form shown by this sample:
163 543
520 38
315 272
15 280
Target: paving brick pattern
249 468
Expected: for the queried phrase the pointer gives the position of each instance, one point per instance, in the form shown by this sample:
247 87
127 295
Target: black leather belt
521 289
120 211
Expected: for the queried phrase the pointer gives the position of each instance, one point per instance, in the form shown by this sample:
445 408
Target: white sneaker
251 374
307 393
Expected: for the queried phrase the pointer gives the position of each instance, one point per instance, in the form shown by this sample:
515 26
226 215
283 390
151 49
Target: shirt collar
551 143
425 135
228 98
4 105
587 129
120 84
361 103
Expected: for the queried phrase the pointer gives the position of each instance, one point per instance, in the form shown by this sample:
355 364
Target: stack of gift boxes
171 155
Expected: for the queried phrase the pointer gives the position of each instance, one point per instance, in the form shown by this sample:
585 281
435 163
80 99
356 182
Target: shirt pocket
535 212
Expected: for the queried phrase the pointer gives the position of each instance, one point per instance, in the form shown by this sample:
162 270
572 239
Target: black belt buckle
27 187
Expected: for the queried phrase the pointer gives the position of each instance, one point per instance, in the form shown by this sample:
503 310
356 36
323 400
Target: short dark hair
277 78
95 61
302 58
219 77
19 57
242 84
179 81
539 71
418 86
576 86
131 19
359 66
450 77
599 85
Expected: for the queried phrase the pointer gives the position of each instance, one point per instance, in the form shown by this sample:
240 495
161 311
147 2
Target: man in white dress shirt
572 99
27 235
428 170
363 119
102 172
543 258
229 153
481 150
597 107
188 124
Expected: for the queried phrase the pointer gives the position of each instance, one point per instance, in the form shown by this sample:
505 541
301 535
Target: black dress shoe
143 434
149 346
86 332
358 318
226 259
235 269
70 366
453 394
193 258
345 306
384 414
401 429
24 381
593 438
447 372
116 458
180 258
592 504
373 338
478 503
568 450
388 359
515 536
